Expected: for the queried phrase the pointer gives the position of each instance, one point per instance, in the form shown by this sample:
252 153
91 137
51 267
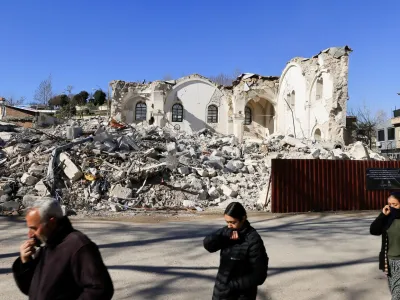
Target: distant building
25 116
388 136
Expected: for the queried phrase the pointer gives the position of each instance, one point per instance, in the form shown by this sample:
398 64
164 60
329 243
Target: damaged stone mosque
308 100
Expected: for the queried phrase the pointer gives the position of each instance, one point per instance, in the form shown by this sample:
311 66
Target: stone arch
196 94
263 117
193 78
128 111
288 120
317 134
313 84
287 68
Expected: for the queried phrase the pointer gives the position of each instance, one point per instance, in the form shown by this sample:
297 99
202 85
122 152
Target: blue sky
87 44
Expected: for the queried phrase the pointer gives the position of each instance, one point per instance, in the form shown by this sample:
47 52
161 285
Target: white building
308 100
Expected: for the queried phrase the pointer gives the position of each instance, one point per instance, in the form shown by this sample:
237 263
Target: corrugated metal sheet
300 185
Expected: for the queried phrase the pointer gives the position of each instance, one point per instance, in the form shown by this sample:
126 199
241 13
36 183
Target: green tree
81 98
59 100
99 98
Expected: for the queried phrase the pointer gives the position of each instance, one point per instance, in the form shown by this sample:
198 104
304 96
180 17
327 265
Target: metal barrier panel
306 185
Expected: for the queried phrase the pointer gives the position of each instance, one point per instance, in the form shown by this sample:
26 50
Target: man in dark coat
243 262
68 267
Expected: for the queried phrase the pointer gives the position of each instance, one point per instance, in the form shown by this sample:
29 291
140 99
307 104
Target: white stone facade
308 100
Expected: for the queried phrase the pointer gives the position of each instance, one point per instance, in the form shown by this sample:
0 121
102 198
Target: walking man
68 266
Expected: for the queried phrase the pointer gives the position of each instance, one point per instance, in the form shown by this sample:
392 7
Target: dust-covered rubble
97 165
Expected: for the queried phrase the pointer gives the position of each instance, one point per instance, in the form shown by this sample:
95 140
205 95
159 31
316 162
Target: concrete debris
9 205
140 166
28 179
121 192
69 168
359 151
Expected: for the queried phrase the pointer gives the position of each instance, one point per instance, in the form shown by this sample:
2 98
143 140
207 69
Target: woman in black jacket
387 224
243 260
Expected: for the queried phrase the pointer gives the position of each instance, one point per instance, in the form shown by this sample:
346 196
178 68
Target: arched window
140 111
177 113
248 118
293 99
319 89
212 114
317 134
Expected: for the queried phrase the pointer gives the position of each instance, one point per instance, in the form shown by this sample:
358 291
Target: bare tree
14 101
368 123
69 89
44 92
225 79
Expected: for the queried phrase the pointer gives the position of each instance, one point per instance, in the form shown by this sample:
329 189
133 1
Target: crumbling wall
125 96
259 94
308 100
292 114
196 93
318 108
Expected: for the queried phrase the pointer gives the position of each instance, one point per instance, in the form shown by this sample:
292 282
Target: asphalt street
312 257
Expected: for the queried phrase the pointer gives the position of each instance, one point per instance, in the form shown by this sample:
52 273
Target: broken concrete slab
29 200
37 170
116 207
29 179
69 168
359 151
121 192
291 141
171 148
211 172
73 132
41 188
227 191
196 184
315 153
213 192
203 195
5 189
188 203
201 172
184 170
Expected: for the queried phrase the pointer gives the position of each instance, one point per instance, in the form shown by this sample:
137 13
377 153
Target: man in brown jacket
68 267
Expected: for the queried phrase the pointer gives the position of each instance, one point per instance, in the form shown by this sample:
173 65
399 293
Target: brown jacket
69 267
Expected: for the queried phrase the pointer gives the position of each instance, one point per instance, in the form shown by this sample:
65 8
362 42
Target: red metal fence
300 185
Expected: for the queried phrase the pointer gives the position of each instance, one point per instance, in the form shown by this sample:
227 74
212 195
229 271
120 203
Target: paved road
312 257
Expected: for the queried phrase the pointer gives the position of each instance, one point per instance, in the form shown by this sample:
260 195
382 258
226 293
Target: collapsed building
308 100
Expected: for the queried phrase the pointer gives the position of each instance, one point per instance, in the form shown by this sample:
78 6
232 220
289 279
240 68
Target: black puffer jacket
379 227
243 263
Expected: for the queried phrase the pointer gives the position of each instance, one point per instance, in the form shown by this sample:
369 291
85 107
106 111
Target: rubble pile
102 166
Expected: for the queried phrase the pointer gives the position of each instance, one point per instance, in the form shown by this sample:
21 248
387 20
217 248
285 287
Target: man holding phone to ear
68 266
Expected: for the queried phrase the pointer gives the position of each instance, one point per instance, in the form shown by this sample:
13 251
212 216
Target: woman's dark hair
395 195
235 210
